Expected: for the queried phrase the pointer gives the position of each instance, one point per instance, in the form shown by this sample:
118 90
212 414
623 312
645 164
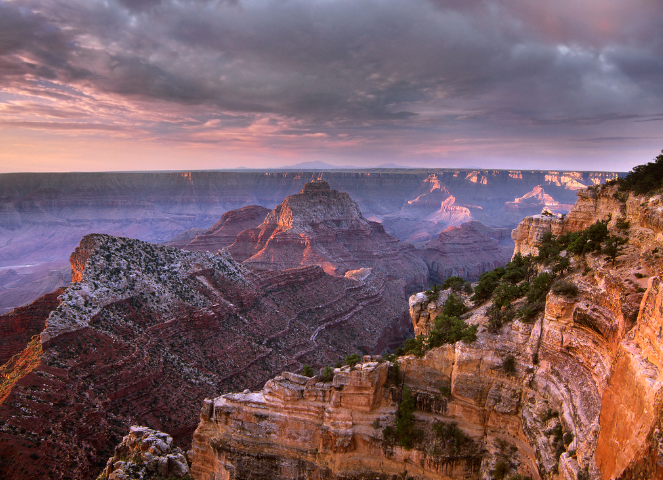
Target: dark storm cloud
425 65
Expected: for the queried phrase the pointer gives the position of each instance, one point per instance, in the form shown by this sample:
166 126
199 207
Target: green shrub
394 373
451 330
501 469
622 224
307 371
487 284
352 359
415 346
644 179
451 435
445 391
509 364
564 287
456 284
453 306
406 434
327 375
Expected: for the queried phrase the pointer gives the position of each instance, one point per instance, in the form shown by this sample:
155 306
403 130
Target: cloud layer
425 82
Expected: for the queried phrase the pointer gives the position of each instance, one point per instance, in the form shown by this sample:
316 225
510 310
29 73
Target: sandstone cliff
147 332
579 398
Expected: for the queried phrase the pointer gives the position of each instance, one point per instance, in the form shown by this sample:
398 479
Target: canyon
44 216
579 398
145 332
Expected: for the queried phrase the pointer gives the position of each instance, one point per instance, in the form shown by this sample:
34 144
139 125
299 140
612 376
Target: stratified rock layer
466 251
224 232
18 326
148 332
580 398
146 454
320 226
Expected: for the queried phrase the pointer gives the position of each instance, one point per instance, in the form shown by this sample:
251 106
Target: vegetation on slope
447 328
644 179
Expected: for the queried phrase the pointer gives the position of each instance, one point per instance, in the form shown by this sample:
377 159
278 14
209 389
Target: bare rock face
149 331
146 454
320 226
466 251
224 232
536 201
297 427
581 398
20 325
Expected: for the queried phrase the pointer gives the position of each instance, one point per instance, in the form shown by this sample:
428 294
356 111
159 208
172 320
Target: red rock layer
320 226
21 324
224 232
146 343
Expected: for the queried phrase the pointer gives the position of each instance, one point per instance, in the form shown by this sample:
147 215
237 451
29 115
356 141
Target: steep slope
320 226
19 326
572 393
466 251
146 332
224 232
43 216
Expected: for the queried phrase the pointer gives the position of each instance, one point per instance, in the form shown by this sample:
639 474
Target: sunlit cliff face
160 84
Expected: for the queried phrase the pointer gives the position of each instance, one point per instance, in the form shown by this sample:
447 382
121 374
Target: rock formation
320 226
535 201
146 454
579 398
466 251
146 332
224 232
155 207
19 326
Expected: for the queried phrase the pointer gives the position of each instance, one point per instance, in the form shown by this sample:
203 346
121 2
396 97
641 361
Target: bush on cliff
405 433
447 328
644 179
327 374
563 287
453 306
457 284
352 359
451 435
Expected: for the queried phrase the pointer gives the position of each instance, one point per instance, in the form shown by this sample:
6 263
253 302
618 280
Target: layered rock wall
580 398
149 331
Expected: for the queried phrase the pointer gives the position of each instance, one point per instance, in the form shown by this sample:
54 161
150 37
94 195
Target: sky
90 85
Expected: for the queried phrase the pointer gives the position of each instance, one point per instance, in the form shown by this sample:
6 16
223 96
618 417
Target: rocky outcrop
224 232
466 251
528 233
149 331
146 454
320 226
20 325
155 207
536 201
580 395
299 427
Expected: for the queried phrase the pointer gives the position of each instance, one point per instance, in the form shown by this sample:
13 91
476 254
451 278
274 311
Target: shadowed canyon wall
581 400
44 216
